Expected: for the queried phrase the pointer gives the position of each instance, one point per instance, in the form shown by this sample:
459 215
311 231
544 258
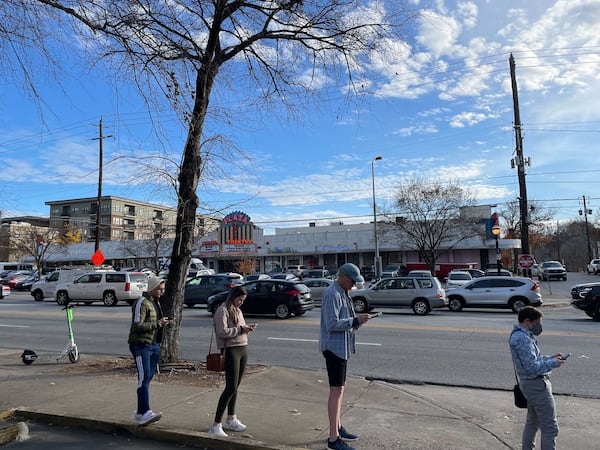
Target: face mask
536 329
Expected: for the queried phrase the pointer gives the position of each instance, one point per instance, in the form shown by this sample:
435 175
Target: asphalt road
468 348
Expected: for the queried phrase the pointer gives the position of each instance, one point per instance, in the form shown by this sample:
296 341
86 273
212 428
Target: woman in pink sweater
232 338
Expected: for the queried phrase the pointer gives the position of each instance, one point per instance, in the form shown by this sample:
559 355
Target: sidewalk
286 409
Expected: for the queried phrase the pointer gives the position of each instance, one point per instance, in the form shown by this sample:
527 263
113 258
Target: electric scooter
70 350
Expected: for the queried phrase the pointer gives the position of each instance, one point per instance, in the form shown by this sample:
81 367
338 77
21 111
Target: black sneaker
344 434
338 444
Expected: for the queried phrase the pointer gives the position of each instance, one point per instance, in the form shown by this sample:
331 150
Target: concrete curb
176 436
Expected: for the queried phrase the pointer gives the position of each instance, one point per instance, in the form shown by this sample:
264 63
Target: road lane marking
14 326
433 328
316 340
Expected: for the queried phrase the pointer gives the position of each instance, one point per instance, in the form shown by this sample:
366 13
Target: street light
377 257
496 233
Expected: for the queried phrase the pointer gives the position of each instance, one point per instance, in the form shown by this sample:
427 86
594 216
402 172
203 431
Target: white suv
496 292
108 287
46 286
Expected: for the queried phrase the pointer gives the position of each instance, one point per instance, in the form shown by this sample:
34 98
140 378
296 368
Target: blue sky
439 106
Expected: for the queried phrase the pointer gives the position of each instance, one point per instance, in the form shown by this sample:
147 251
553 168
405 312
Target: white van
12 266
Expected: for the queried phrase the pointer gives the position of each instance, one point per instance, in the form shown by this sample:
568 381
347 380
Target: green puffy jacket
145 325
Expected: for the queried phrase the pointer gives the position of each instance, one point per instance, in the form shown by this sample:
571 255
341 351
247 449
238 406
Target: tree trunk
187 204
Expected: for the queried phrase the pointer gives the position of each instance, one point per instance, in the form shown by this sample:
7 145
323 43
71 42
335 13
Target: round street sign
526 261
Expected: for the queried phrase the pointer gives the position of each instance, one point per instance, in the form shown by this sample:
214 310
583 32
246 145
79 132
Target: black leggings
235 364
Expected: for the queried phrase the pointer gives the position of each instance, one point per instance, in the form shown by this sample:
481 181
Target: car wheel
420 307
565 278
62 298
589 313
455 304
38 296
109 298
360 305
517 304
282 311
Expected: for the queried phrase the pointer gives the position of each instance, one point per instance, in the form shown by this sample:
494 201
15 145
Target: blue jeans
541 414
146 359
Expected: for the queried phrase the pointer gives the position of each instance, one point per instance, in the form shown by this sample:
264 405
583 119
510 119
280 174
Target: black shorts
336 368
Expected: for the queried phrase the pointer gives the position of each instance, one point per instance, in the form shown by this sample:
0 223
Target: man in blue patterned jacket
533 370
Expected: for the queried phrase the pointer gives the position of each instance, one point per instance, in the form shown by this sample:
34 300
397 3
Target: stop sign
526 261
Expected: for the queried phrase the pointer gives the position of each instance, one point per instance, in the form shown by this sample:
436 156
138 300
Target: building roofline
108 197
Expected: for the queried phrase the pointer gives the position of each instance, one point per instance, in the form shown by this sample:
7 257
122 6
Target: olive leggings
235 363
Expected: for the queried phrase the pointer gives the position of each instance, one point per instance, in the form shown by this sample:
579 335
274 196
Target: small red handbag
215 362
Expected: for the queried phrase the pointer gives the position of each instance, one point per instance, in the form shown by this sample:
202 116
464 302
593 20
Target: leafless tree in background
429 216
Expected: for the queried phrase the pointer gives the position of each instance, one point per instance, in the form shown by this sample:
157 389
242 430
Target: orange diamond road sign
98 258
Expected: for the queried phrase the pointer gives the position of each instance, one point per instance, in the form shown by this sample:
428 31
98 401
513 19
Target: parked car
257 276
422 294
297 270
457 278
497 273
279 297
109 287
4 291
551 269
317 286
368 272
419 273
285 276
475 273
25 284
594 266
589 302
13 278
395 270
198 289
496 292
317 273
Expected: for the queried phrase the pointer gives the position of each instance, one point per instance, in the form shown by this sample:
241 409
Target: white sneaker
148 417
217 430
234 425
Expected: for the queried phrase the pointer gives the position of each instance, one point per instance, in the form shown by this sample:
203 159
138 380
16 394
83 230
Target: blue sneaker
338 444
344 434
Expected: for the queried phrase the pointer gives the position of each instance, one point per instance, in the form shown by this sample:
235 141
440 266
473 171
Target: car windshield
552 264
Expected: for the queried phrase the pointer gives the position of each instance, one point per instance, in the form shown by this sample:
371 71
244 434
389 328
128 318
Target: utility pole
585 213
520 162
100 138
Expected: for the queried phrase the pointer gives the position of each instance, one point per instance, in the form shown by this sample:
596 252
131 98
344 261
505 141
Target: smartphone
372 316
564 358
171 318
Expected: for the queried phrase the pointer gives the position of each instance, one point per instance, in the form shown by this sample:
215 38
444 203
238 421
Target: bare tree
430 216
41 243
538 218
280 49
